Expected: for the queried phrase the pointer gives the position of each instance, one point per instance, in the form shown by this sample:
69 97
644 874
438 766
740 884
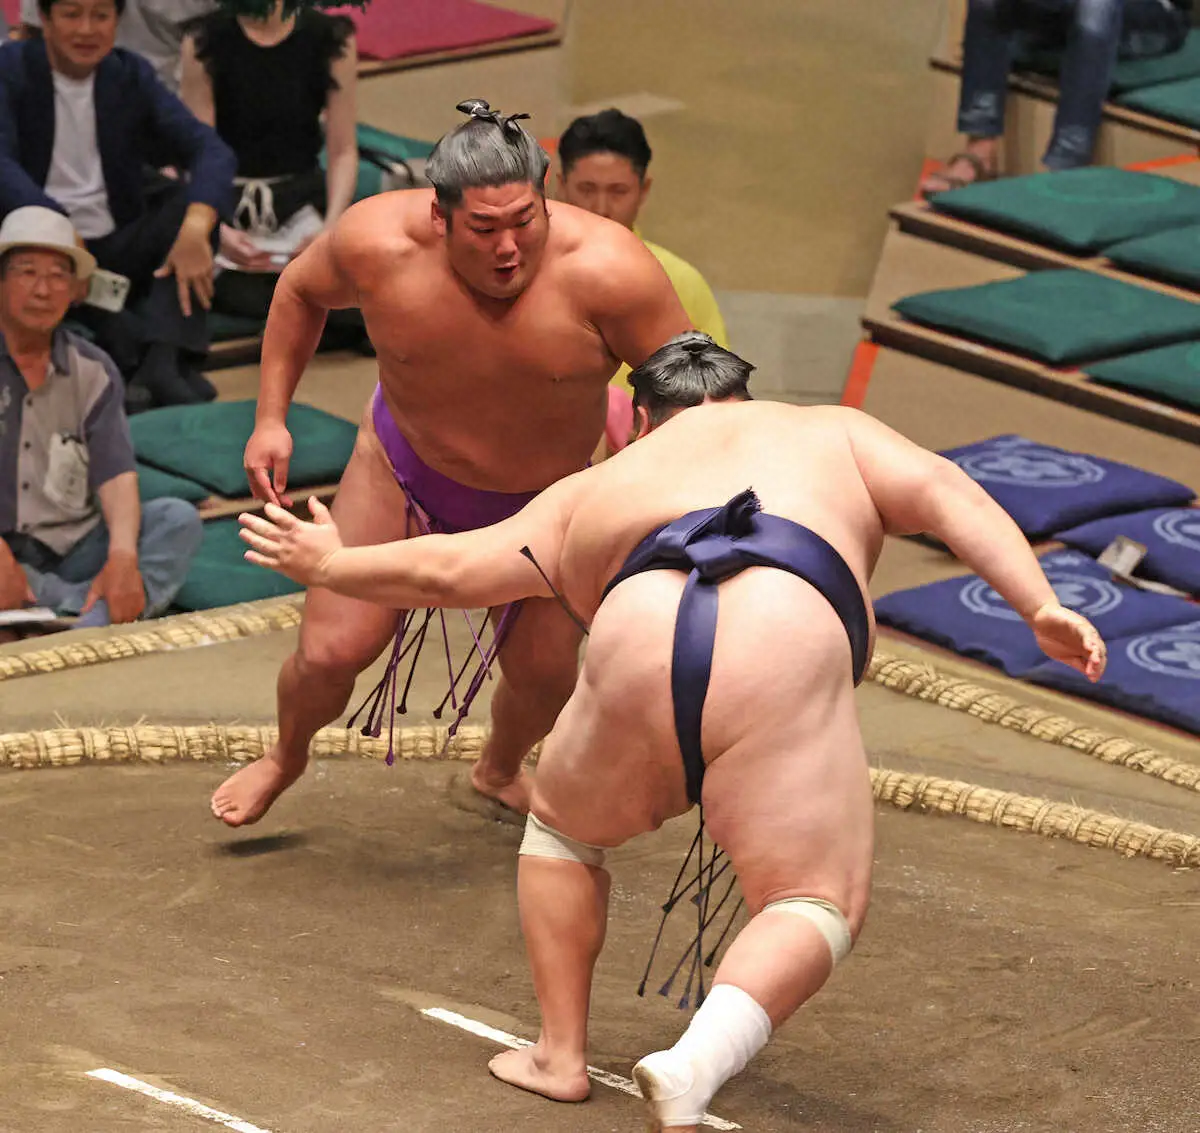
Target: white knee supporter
826 918
542 841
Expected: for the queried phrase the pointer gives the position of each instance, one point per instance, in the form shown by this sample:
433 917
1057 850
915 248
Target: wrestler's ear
641 423
441 220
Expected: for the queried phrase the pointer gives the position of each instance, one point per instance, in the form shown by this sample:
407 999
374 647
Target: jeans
1090 34
167 542
152 313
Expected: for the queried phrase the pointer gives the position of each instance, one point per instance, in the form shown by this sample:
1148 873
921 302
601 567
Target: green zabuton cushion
1057 316
1172 372
388 146
1129 74
1080 210
1173 255
205 443
1132 74
219 576
1176 102
155 484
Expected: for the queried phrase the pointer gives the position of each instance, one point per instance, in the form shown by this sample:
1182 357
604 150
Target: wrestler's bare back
800 461
781 684
506 395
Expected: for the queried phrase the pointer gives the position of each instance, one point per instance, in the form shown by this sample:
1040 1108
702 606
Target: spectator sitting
264 74
604 160
1090 34
80 122
151 28
73 535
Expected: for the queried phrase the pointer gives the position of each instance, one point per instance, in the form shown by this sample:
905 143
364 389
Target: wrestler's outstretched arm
469 570
918 491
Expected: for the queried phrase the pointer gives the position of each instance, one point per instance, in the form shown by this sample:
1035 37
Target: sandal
982 173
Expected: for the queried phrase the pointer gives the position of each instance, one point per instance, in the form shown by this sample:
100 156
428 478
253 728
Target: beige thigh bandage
826 918
542 841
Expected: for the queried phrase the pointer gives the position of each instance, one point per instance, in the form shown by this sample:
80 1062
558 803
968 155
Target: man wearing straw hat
74 536
725 643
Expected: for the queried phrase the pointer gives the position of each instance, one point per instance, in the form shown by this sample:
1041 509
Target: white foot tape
668 1085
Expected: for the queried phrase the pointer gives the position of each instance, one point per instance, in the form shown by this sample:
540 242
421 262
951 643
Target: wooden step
917 218
1069 386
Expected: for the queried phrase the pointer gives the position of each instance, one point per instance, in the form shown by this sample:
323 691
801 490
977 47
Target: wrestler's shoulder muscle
899 474
864 430
600 255
379 234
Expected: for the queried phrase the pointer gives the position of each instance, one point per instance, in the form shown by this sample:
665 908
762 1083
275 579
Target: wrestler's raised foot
248 793
511 793
530 1069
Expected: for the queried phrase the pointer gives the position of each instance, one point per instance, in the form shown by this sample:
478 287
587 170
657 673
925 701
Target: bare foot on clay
248 793
510 793
528 1069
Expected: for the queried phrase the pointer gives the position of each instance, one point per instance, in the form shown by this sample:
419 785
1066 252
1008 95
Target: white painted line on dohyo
195 1108
597 1075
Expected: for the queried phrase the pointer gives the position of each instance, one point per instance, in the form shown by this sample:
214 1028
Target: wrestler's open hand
302 551
268 453
1070 638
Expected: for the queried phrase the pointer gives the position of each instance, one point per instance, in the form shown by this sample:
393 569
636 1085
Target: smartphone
107 290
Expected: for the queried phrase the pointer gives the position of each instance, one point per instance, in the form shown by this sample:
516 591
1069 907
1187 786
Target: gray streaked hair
686 370
488 150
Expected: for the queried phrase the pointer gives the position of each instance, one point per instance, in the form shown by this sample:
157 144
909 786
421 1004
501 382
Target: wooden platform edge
369 68
233 352
1035 87
916 218
926 223
222 507
1072 387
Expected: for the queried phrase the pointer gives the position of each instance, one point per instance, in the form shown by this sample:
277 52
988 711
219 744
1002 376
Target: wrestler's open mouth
507 272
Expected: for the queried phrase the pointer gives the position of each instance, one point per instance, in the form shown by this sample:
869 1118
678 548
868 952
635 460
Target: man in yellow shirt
604 158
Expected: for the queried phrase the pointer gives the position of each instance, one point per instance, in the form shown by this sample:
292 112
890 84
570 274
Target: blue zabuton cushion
1171 537
1155 674
1047 489
968 616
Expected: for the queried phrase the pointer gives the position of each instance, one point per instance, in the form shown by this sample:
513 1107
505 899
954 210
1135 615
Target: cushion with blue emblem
1155 674
1047 489
967 616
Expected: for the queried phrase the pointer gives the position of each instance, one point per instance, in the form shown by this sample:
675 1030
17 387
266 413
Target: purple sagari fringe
412 627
